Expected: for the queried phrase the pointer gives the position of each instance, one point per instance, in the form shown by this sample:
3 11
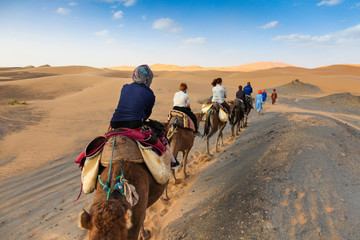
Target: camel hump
124 149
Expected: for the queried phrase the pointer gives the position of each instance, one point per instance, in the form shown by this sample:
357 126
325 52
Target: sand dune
299 88
68 106
244 68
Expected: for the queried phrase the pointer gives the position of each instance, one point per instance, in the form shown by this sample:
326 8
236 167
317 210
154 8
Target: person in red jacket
273 96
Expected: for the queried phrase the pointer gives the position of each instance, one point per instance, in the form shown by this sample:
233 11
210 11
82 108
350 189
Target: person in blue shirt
136 103
136 100
248 90
259 101
264 94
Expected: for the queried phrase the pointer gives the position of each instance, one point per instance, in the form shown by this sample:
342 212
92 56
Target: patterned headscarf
143 74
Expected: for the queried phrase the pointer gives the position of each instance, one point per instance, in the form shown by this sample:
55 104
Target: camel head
108 219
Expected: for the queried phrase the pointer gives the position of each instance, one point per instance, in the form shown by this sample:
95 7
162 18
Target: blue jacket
248 89
264 94
135 103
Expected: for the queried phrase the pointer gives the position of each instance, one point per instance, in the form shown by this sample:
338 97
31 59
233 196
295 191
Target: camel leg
138 213
184 160
165 195
232 131
176 180
207 141
221 134
217 143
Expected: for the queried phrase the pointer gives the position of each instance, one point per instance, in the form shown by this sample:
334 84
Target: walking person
273 96
264 95
259 102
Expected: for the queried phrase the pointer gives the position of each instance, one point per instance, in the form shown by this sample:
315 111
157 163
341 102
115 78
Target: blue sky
208 33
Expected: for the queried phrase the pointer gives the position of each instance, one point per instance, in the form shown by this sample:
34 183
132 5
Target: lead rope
120 184
107 185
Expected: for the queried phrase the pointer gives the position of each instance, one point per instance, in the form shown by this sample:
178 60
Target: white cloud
166 24
120 25
339 37
329 2
118 15
73 4
143 17
194 41
63 11
102 33
126 3
356 5
269 25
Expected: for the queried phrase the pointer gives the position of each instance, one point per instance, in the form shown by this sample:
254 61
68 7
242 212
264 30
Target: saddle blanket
181 119
223 116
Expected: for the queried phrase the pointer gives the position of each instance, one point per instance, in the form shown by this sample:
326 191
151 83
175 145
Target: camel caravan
130 166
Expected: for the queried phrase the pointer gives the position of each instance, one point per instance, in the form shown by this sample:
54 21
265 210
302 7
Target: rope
120 184
107 185
171 132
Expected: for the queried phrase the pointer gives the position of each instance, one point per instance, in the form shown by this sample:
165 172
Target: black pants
188 112
127 124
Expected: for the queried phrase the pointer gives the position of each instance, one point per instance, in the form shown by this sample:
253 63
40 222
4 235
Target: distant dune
243 68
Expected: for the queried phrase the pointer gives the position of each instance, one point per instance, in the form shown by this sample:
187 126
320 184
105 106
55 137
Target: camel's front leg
176 180
166 196
185 156
232 130
207 141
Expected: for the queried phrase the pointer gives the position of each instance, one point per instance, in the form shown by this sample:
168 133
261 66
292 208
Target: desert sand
66 107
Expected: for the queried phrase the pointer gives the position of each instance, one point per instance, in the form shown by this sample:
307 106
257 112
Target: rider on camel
182 104
248 90
219 94
136 103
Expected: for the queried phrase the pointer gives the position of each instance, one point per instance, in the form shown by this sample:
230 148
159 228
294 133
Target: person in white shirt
182 104
219 94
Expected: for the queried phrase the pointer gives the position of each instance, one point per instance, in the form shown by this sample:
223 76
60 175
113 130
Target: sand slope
68 106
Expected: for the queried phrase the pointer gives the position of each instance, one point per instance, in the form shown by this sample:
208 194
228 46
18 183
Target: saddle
239 103
223 116
180 119
127 145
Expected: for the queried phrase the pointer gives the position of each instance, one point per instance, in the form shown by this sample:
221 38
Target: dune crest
244 68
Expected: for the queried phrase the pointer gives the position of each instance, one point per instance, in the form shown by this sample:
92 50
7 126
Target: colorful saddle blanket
146 138
180 119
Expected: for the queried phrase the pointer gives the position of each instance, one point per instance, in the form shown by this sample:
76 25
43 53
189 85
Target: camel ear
85 220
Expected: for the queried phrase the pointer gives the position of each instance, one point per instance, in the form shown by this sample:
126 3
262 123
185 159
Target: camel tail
207 124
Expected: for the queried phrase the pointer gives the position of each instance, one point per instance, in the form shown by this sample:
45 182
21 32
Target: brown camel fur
247 112
182 140
212 125
238 115
115 218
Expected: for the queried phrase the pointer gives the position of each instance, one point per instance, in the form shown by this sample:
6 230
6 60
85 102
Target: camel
181 140
247 112
212 125
114 218
238 115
